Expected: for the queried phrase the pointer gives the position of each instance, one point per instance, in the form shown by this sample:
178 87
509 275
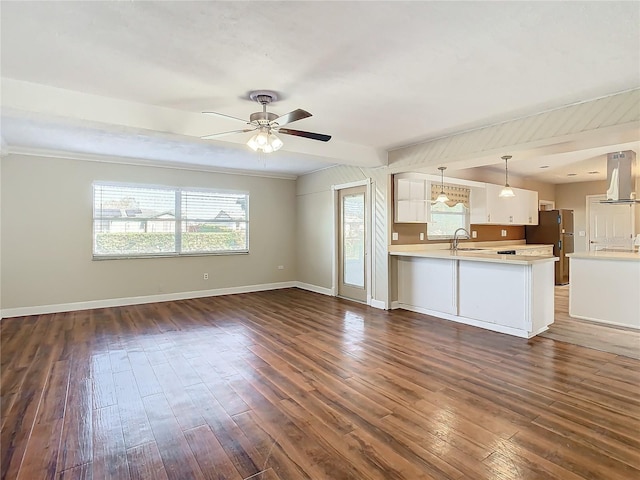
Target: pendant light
507 191
442 197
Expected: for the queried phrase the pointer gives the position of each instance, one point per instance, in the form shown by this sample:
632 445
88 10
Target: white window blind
142 221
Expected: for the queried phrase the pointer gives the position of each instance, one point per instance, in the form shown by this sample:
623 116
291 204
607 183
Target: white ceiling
131 78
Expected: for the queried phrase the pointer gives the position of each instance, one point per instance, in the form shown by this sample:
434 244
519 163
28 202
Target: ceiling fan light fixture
275 142
265 141
507 191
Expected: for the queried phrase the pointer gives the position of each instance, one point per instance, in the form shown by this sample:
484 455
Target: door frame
368 228
588 218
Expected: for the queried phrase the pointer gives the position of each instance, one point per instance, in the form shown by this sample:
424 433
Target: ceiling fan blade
300 133
222 134
293 116
226 116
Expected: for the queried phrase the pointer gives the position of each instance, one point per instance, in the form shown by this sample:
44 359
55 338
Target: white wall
316 226
46 213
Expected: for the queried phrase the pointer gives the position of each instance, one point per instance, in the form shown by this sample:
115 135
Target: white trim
90 157
395 305
315 288
517 332
601 321
119 302
357 183
369 234
378 304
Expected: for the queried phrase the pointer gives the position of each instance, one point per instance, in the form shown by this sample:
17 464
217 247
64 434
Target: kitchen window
445 218
131 221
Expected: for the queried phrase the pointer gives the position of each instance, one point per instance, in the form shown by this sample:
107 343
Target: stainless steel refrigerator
554 227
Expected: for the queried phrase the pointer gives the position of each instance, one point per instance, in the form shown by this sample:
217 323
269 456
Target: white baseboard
120 302
395 305
315 288
378 304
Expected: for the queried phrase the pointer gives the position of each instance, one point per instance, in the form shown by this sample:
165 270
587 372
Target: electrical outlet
474 234
421 235
205 276
503 233
394 236
280 267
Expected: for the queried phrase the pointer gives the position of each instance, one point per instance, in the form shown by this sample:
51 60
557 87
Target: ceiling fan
268 124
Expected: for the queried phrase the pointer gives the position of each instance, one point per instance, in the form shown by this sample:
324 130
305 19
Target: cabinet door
410 200
499 210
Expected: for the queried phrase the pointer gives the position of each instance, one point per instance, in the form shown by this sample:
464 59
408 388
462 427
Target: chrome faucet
456 240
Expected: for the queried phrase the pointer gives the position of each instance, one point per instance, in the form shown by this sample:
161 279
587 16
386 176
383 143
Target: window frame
466 214
179 220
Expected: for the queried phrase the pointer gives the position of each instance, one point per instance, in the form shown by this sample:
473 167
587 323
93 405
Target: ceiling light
507 191
442 197
265 141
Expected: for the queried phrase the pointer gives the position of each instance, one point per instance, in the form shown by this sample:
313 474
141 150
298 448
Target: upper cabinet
411 194
412 201
487 207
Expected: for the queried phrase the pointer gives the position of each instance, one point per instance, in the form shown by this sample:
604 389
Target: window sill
167 255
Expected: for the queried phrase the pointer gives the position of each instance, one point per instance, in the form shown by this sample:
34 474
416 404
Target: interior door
352 251
610 225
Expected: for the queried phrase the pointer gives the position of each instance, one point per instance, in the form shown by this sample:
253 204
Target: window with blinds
146 221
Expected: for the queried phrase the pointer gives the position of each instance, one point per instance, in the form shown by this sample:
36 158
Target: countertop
475 256
626 256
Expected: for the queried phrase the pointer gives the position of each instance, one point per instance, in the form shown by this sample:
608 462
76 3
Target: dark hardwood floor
293 385
607 338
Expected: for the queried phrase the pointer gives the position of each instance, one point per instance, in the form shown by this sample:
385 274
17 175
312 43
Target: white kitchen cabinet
487 207
411 199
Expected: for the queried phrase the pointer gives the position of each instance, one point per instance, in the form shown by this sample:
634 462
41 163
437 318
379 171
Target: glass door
352 250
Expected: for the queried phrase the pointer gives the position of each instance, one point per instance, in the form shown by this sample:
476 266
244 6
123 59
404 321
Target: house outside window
147 221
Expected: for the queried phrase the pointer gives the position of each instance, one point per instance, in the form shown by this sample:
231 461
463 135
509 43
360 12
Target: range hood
621 177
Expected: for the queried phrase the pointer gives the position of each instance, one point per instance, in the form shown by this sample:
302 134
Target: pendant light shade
442 197
507 191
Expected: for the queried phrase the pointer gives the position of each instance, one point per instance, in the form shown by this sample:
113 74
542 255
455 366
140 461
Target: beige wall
573 196
316 226
46 214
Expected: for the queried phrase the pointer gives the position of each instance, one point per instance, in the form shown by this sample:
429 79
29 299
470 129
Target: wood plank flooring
607 338
294 385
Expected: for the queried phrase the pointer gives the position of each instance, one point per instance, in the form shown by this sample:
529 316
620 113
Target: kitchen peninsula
605 287
512 294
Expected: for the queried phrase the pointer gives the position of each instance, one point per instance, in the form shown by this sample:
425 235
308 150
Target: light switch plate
582 233
394 236
421 235
503 233
474 234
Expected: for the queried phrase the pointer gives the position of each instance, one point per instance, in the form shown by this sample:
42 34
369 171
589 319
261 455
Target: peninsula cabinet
487 207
